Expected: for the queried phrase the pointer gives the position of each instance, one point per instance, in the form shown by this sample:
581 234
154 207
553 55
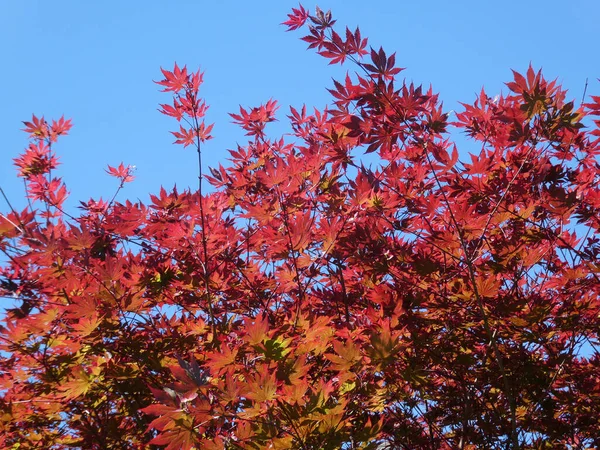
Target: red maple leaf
297 18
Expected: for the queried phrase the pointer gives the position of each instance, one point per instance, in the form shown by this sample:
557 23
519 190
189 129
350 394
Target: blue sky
95 61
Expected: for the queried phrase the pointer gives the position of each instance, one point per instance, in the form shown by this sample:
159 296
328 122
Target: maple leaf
217 362
37 128
178 438
231 389
175 80
262 387
254 121
297 18
79 384
59 128
382 65
177 111
122 172
86 325
203 132
487 287
256 330
9 226
185 136
346 355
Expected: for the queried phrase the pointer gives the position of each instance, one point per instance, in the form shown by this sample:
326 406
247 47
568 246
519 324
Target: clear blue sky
94 61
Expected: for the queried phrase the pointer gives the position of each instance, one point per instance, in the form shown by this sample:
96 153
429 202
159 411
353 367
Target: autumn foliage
310 301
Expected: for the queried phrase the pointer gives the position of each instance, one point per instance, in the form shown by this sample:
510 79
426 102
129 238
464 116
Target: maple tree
308 301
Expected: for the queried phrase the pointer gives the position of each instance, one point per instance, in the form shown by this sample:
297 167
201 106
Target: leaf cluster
309 301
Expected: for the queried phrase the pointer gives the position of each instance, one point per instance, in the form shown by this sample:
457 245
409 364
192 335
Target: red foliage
310 302
122 172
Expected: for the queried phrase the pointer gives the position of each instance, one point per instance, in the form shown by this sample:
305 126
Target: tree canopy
310 300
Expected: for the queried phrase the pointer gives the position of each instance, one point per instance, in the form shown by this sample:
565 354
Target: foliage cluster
308 301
